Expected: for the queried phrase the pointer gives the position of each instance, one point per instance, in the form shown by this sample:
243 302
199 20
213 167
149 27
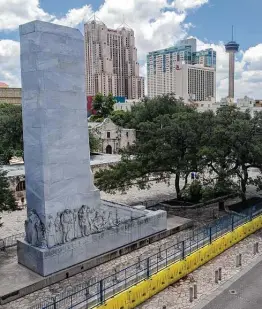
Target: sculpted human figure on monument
51 232
83 220
67 221
58 229
91 220
35 230
77 229
99 222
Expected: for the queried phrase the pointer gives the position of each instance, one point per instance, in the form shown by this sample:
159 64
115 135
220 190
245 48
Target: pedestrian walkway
177 295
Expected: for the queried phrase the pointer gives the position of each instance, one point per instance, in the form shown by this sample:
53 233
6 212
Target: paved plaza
243 293
176 296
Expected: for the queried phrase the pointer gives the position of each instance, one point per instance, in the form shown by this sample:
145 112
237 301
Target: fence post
191 294
101 291
216 276
237 261
148 267
240 259
183 250
54 300
220 273
210 234
195 291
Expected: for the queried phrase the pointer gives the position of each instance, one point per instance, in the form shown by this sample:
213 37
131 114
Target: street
244 293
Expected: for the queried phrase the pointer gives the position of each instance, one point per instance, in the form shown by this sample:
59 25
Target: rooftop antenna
232 33
95 18
124 24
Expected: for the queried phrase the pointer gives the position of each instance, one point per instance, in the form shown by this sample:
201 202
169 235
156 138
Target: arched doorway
108 149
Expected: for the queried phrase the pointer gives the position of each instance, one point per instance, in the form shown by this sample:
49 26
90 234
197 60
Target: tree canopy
94 142
7 201
174 140
11 132
103 106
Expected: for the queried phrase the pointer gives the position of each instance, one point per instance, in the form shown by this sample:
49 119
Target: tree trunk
177 180
244 183
221 205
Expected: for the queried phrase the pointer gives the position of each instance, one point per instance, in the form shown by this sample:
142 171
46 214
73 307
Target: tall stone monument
67 223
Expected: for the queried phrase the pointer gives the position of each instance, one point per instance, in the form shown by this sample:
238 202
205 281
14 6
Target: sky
157 24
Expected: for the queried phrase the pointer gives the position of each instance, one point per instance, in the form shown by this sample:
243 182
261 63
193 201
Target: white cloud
16 12
75 16
157 24
10 62
188 4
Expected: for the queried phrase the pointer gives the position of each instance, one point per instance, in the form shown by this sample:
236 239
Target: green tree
121 118
11 132
166 145
7 201
94 142
231 148
103 105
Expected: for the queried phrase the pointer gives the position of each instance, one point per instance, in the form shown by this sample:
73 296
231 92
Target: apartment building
182 70
111 61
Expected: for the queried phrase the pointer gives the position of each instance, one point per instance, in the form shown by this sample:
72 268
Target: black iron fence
94 292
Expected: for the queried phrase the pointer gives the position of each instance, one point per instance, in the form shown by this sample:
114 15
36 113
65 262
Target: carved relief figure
35 230
51 232
91 220
58 229
99 221
110 219
77 229
83 220
67 221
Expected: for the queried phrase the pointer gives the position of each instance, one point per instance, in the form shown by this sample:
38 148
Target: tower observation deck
231 48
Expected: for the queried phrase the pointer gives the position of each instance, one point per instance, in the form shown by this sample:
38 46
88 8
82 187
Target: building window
108 134
20 186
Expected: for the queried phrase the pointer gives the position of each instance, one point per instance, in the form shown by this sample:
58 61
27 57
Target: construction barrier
140 292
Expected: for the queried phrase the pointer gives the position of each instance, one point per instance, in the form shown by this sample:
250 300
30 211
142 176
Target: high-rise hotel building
184 71
111 61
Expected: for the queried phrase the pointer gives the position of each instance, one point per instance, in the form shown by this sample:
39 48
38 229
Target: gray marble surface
56 144
48 261
64 209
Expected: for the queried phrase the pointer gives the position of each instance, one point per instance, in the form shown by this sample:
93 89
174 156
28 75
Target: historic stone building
112 137
10 95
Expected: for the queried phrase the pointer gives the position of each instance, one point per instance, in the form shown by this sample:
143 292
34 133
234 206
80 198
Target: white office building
182 70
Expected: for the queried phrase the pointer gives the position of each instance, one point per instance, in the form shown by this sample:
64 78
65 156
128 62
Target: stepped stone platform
17 281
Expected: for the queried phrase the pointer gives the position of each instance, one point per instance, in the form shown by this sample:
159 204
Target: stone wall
10 95
16 184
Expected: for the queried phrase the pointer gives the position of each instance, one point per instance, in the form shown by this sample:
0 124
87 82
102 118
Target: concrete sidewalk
243 291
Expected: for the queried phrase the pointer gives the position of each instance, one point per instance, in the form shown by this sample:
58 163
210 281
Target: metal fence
95 292
11 241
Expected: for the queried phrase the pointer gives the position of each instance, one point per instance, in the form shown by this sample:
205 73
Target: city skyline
157 25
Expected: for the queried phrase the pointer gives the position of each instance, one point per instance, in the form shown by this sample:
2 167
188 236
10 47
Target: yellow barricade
145 289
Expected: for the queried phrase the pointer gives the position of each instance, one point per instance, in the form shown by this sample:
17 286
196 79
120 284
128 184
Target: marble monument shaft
67 222
56 145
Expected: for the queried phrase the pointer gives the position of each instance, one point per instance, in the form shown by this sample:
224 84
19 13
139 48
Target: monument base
49 261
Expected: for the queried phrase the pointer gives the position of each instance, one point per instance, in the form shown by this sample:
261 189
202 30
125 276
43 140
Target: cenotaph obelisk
67 223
